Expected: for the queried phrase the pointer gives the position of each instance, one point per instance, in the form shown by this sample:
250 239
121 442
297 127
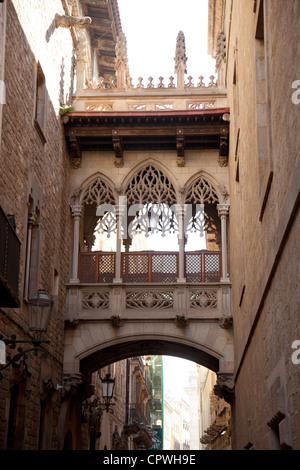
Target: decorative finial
180 59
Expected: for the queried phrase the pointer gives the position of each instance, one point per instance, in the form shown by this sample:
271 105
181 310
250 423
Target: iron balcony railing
9 262
136 417
150 267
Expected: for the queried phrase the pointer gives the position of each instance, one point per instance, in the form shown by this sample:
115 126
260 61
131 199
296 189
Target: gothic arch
203 188
97 189
139 188
114 351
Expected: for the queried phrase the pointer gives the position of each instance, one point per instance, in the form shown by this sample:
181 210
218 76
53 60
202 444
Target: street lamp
39 308
39 312
107 390
92 408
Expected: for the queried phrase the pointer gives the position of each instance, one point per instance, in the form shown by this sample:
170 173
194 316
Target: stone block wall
264 220
37 164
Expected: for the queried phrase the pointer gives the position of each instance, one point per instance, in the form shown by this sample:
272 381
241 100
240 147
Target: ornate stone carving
71 324
64 21
116 321
76 211
150 184
225 193
75 151
180 60
221 49
224 387
180 53
147 300
201 82
223 153
201 105
223 210
98 192
201 192
121 61
118 148
212 432
180 147
181 321
95 300
212 82
204 299
226 322
48 388
189 83
99 107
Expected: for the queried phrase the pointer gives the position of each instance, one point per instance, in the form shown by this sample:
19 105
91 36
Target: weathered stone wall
264 240
30 164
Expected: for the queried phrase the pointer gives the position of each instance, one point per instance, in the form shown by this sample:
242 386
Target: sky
151 29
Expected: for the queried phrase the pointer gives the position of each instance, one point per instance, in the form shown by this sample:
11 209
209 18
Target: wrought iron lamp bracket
36 347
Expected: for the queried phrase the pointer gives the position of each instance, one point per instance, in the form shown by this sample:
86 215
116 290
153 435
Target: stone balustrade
102 84
89 302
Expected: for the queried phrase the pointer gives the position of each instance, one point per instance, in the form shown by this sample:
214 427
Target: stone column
180 212
223 211
120 212
76 213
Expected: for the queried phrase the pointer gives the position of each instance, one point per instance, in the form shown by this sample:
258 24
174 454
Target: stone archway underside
128 349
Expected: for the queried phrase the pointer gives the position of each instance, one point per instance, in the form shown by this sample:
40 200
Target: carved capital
76 210
223 210
224 387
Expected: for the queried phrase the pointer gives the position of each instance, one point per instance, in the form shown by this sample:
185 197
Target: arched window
150 185
98 202
151 197
202 216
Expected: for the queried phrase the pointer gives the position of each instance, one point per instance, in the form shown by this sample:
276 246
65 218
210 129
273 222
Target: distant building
192 392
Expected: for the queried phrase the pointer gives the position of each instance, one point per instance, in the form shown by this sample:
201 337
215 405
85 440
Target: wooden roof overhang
104 30
119 132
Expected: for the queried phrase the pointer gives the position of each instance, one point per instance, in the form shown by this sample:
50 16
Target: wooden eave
147 130
104 29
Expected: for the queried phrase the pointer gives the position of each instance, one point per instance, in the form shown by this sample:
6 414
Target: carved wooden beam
180 147
75 151
118 148
224 147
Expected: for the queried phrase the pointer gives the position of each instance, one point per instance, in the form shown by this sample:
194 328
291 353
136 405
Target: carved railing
102 84
9 263
116 303
150 267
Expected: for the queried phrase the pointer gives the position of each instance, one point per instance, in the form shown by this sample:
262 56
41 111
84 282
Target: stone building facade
231 146
255 42
37 73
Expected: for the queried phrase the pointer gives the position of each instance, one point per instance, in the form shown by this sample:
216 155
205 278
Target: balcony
138 426
9 263
150 267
